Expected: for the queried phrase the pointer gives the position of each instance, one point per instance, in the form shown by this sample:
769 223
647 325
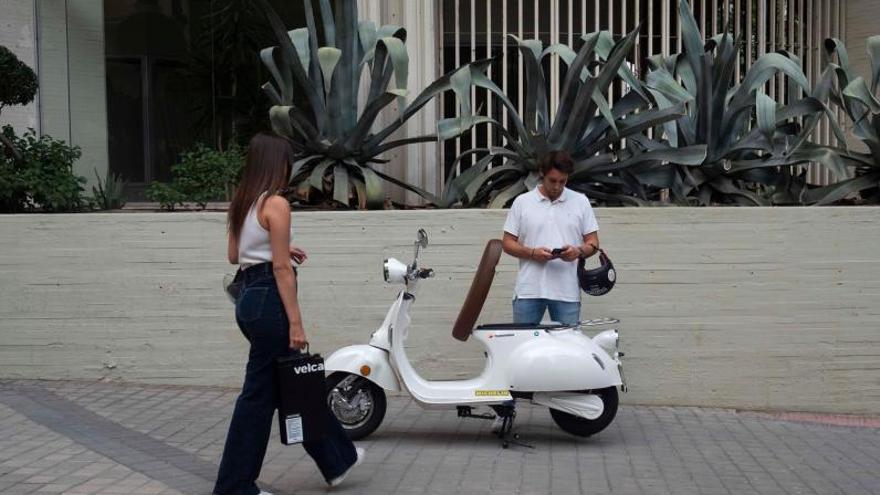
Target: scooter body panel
533 360
353 358
557 360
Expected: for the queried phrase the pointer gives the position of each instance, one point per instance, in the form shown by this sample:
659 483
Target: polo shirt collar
561 199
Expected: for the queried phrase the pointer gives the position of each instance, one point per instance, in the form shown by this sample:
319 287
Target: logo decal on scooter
502 335
491 393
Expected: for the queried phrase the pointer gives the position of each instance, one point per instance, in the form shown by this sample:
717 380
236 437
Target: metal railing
474 29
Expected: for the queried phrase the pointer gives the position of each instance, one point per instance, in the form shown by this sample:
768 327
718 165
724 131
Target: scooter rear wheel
584 427
359 404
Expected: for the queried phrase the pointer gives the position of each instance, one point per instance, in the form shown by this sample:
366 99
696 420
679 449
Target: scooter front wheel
584 427
357 403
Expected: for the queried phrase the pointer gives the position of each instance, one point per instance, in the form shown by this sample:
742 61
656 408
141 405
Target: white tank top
253 241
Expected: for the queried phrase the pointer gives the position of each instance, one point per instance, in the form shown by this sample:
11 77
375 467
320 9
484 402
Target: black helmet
597 281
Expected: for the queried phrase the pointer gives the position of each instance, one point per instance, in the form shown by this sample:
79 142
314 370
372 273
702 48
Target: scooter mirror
422 238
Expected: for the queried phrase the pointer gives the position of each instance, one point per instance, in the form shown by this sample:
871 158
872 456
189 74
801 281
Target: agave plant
749 138
585 124
861 104
315 101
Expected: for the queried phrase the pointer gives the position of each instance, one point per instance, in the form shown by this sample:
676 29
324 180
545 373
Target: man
550 217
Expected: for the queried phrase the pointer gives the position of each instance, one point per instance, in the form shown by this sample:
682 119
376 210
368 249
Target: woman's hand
297 337
297 255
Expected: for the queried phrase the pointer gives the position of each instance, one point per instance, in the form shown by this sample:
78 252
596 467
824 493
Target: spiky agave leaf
338 155
585 124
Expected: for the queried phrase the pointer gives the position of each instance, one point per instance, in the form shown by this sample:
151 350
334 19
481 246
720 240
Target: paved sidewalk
102 438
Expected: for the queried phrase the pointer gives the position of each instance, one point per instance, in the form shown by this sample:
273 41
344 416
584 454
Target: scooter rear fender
357 359
562 360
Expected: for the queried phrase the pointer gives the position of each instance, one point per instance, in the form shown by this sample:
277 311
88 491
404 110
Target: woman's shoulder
276 202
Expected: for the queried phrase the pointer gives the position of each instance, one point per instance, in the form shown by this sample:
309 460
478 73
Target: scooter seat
522 326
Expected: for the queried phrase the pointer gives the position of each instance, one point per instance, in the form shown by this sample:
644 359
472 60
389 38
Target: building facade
129 82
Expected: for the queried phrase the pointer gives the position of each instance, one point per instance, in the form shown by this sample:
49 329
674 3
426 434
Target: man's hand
541 254
298 337
570 253
298 255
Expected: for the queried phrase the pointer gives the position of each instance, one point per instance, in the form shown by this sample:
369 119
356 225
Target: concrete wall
73 101
735 307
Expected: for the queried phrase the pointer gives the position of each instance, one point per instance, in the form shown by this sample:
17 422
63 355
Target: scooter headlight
609 341
394 271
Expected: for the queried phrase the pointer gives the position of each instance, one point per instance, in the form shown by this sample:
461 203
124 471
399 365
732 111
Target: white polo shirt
538 222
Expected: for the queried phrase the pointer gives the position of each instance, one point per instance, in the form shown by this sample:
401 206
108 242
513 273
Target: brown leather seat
476 296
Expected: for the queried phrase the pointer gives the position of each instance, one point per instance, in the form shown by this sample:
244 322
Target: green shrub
43 178
202 175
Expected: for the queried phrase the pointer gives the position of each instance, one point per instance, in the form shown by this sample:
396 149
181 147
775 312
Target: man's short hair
560 160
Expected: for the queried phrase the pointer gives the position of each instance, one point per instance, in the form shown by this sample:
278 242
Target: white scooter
549 364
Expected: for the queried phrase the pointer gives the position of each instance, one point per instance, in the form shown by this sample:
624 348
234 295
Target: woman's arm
276 213
231 249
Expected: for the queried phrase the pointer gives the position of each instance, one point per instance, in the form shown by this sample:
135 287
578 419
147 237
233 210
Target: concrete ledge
765 308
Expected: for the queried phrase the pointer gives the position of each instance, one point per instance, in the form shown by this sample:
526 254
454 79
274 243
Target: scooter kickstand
508 414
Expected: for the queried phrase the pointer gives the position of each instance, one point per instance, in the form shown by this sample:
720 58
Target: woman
269 317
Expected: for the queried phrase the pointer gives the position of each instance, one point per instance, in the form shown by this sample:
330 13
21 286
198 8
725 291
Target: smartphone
557 252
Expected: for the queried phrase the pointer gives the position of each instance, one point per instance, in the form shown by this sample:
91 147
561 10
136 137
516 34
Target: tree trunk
11 147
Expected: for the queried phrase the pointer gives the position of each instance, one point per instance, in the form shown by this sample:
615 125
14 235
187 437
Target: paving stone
82 438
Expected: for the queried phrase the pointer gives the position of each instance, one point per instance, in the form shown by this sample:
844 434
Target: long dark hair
267 169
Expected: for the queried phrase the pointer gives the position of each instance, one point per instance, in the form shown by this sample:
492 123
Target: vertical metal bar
583 17
762 27
737 30
520 77
489 70
664 28
596 17
748 34
472 158
554 61
715 17
813 173
636 21
703 16
440 41
798 19
457 64
726 18
611 15
772 23
611 29
571 23
505 74
678 29
844 7
650 27
829 23
537 26
807 22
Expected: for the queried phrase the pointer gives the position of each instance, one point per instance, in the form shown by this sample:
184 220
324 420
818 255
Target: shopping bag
302 408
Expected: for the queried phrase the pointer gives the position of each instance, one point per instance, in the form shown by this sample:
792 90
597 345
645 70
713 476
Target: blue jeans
531 311
261 317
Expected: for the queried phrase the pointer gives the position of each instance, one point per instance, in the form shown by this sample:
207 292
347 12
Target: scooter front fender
354 358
